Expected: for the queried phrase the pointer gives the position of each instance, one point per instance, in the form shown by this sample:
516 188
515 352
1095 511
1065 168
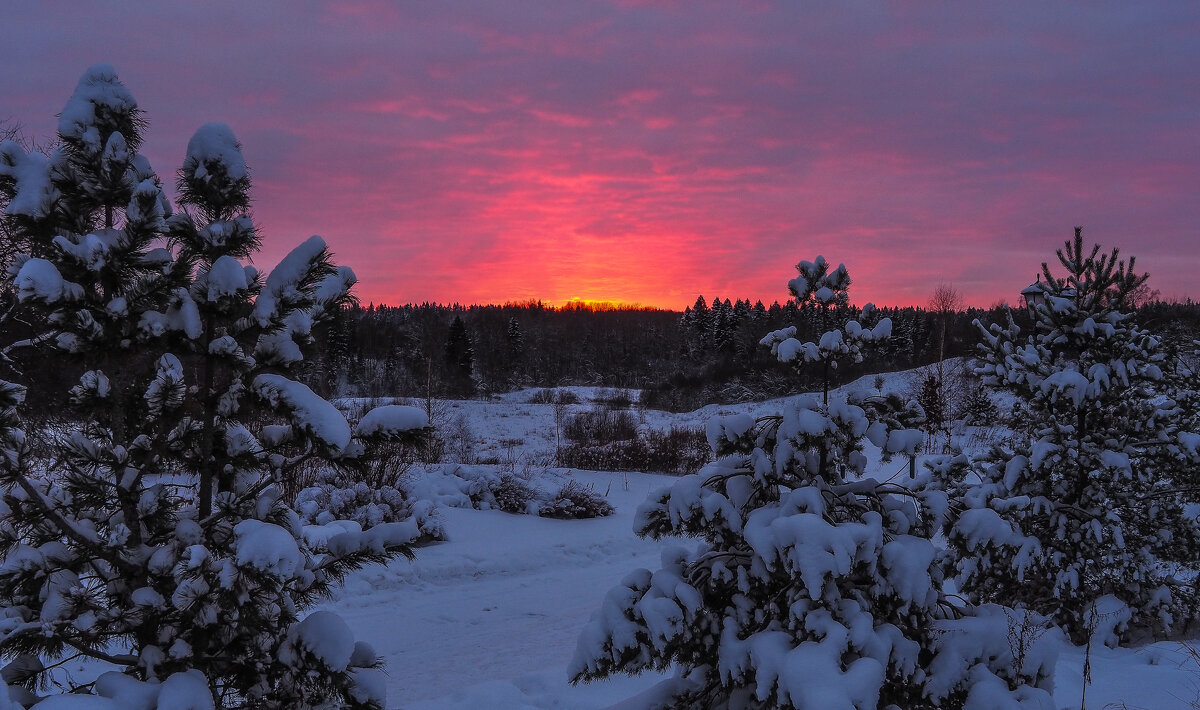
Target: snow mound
100 88
326 636
268 548
391 419
215 144
308 410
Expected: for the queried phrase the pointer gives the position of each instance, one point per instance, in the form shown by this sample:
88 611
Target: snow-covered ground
489 618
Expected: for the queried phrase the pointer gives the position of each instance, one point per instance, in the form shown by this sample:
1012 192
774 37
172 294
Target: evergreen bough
148 531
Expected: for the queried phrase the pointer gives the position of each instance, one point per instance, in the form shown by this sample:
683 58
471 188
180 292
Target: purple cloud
652 151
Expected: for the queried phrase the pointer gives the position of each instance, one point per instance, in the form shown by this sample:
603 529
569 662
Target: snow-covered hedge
678 451
334 497
490 488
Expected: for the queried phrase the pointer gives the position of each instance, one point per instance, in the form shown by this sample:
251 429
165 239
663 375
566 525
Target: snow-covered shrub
1088 500
575 500
453 441
335 496
630 455
678 451
812 586
491 488
481 487
614 398
553 396
508 492
154 537
601 425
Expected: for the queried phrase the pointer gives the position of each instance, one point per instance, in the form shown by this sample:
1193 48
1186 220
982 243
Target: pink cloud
650 152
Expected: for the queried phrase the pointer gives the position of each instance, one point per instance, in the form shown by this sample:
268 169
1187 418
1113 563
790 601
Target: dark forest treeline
706 354
682 361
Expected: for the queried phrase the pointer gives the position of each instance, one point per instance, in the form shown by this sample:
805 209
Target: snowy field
489 618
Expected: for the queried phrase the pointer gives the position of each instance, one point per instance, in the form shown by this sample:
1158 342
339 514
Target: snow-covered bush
553 396
601 425
334 496
606 439
460 439
1087 501
678 451
614 398
491 488
813 586
575 500
506 491
153 537
481 487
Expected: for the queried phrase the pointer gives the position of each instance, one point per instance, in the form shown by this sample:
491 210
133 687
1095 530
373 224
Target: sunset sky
652 151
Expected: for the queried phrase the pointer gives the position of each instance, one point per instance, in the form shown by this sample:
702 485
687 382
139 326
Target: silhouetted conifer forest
709 353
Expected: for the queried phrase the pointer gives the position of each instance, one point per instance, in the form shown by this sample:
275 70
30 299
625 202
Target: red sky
653 151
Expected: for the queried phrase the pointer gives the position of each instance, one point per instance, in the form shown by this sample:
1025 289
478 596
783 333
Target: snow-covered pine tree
978 408
932 398
813 587
819 287
1084 503
148 532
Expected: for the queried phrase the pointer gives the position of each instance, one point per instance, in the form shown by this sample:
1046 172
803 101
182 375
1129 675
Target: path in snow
506 597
